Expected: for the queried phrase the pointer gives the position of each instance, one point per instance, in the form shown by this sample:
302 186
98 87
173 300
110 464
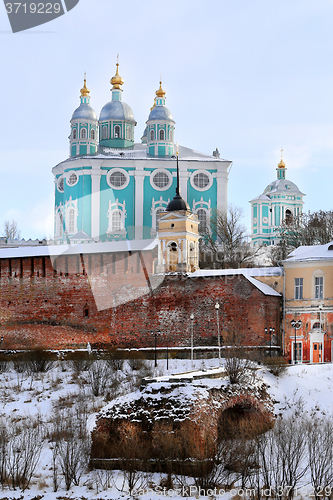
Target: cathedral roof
282 186
84 112
116 110
160 113
177 203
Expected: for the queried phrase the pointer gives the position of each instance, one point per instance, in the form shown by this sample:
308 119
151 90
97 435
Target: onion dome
116 110
117 81
84 111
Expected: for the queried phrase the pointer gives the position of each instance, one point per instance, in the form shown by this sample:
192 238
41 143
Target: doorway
317 352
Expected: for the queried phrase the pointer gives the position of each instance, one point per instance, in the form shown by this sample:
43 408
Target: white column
139 176
95 202
221 183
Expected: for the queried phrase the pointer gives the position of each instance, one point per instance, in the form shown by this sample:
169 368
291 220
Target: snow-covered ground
307 387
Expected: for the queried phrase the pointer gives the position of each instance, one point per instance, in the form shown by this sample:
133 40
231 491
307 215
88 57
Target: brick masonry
114 300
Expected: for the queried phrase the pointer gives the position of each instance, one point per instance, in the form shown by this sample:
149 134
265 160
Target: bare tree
311 228
225 240
320 455
10 230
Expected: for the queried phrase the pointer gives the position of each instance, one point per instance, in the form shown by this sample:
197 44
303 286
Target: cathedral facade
112 188
281 201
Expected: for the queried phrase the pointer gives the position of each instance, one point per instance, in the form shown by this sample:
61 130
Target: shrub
276 366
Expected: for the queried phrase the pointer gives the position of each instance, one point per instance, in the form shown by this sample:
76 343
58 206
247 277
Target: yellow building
309 299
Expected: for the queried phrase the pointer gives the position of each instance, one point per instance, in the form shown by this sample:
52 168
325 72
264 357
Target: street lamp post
296 324
217 307
192 319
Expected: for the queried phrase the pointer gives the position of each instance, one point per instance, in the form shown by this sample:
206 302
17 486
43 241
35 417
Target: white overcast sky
248 77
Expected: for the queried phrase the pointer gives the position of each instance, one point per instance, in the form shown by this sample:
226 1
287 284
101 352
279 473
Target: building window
157 217
162 135
74 133
61 225
71 220
298 352
171 135
117 132
61 185
116 220
118 178
160 179
289 217
105 132
298 288
202 216
319 287
72 179
92 134
152 135
129 133
83 133
201 180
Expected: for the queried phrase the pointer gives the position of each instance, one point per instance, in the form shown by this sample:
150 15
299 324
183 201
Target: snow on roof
248 273
311 253
80 248
140 152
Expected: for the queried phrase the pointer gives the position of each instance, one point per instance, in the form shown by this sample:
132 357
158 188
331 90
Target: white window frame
68 175
114 170
156 171
69 205
156 207
74 134
318 273
161 132
298 289
201 171
120 208
83 133
117 127
58 184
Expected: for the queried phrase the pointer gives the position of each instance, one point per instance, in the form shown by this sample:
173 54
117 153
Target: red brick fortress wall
113 300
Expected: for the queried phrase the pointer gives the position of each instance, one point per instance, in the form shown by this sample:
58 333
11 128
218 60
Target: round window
161 179
61 184
72 179
118 178
201 180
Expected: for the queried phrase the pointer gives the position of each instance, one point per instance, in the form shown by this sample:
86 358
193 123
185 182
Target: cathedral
281 201
112 188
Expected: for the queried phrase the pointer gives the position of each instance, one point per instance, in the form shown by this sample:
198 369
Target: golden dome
117 81
160 92
281 164
84 91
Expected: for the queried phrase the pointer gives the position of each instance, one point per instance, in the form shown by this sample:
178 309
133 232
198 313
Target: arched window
201 213
83 133
157 217
116 220
61 225
74 133
152 135
92 134
162 135
105 132
71 220
289 216
171 135
117 132
129 134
